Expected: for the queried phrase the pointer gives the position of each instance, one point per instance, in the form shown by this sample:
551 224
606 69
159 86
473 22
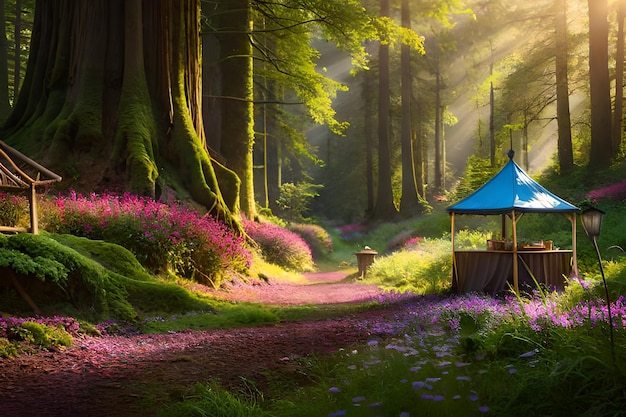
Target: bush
17 334
13 210
423 267
316 237
294 199
280 246
46 336
66 274
162 237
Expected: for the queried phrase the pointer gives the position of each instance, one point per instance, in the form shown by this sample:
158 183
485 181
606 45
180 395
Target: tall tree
618 110
384 207
90 109
17 37
564 148
599 84
439 144
5 106
368 101
234 28
411 202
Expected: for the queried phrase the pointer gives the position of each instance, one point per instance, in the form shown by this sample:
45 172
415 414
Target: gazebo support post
32 202
515 262
455 278
574 272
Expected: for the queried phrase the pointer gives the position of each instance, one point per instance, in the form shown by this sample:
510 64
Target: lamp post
592 223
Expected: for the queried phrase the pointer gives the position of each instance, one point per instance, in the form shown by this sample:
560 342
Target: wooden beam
10 229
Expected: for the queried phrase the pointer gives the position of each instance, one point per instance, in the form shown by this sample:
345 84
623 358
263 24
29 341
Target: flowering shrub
12 209
162 237
280 246
612 192
351 231
413 242
315 236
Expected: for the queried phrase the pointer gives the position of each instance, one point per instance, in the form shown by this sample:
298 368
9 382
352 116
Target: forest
207 174
418 92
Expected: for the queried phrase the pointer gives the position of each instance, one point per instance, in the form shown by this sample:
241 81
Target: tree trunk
368 125
564 147
599 84
237 117
17 34
5 106
618 111
410 202
438 134
111 100
384 208
418 150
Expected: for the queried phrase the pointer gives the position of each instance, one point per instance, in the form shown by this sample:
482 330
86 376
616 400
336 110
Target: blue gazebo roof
509 190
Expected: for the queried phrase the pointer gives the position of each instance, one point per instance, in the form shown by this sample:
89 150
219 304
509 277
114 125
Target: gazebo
21 175
510 194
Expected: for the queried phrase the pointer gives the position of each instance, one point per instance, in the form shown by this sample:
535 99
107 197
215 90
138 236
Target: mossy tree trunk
112 100
233 27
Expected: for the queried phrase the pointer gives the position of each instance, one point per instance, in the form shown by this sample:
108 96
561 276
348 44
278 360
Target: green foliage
13 210
156 296
477 173
8 349
222 317
40 267
213 400
291 58
45 336
84 282
294 200
111 256
551 383
424 268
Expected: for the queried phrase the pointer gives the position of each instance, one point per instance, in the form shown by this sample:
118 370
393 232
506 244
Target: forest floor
131 376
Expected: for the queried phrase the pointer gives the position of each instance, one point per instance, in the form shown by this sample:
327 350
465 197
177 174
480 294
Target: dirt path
322 288
135 376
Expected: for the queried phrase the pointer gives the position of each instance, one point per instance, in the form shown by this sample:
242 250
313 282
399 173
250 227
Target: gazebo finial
510 153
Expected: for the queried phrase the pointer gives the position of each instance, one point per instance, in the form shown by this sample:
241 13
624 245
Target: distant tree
384 207
285 60
5 106
618 110
599 84
368 98
411 202
564 149
17 56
